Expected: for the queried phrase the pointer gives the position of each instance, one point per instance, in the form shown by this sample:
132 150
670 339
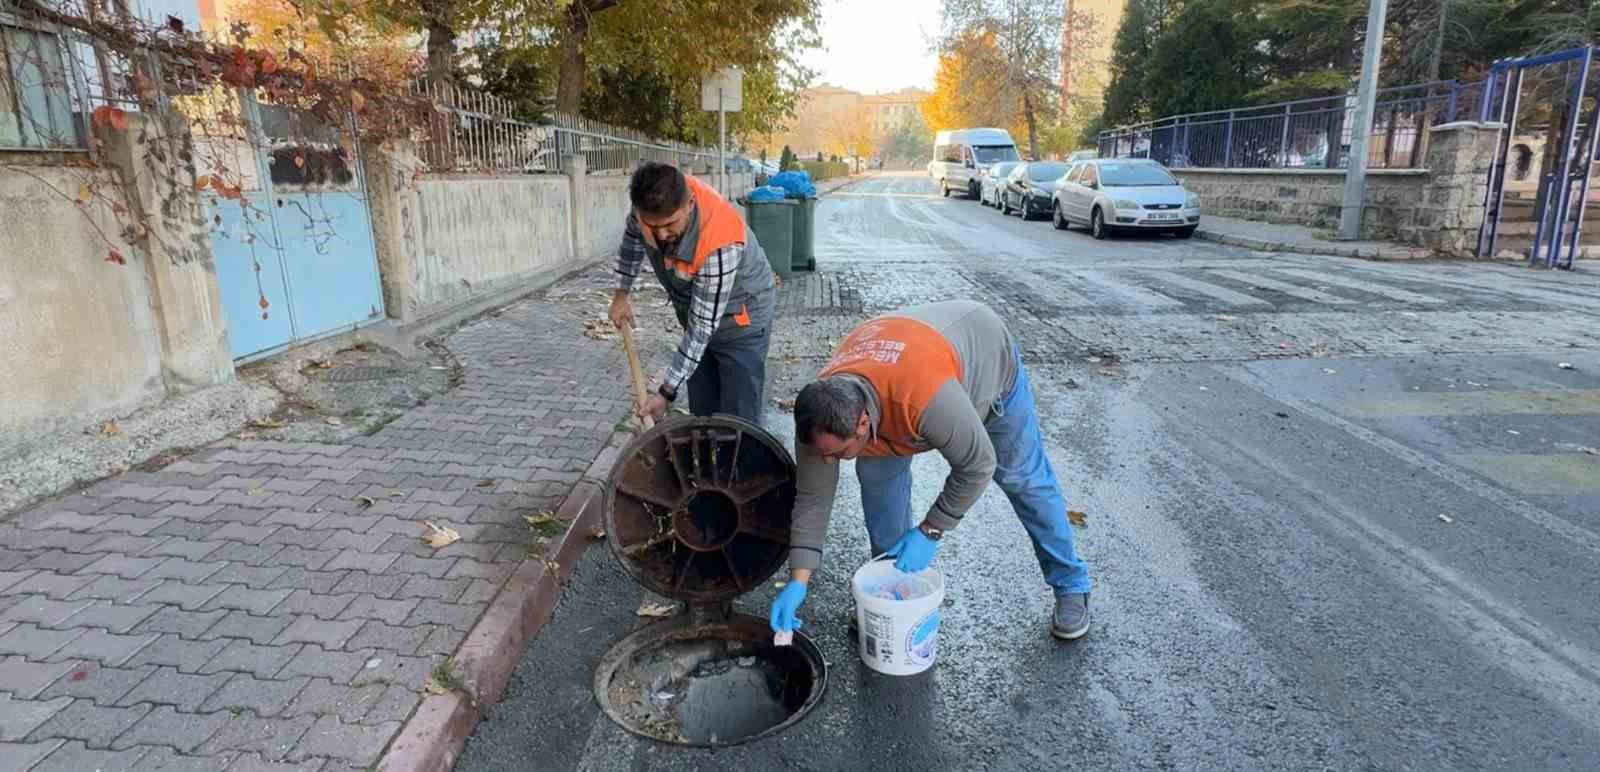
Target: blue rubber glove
788 602
913 552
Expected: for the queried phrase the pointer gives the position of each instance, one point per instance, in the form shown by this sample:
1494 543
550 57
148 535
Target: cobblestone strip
271 605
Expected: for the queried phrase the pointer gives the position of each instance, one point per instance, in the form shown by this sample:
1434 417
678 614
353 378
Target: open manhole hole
712 684
698 509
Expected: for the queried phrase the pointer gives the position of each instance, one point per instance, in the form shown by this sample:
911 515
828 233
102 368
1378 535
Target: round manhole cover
358 373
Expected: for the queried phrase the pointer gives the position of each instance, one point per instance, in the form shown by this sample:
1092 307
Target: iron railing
473 132
1306 133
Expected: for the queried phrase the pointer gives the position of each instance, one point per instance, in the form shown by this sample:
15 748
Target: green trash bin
773 223
804 256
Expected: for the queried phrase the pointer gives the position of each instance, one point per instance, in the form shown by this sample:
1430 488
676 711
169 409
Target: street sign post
1355 174
722 91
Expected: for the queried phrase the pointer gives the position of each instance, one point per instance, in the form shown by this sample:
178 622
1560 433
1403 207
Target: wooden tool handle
635 368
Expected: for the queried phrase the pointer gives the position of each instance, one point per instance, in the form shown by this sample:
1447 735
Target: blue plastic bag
767 194
796 183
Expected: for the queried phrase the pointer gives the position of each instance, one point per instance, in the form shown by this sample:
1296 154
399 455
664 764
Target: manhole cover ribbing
352 374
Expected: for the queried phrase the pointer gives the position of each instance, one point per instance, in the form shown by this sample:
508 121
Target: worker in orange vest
948 377
720 285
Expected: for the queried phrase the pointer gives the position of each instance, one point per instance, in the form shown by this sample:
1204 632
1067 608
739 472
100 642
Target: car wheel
1005 204
1056 219
972 190
1097 224
1184 233
944 188
1027 207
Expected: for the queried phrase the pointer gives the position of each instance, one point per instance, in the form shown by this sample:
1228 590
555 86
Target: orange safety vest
720 226
906 361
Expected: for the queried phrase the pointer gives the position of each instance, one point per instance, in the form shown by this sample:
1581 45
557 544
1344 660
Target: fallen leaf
332 420
248 435
357 101
366 501
396 495
257 492
269 423
657 609
432 686
202 182
1077 518
1446 519
84 193
786 405
110 429
543 518
114 256
597 533
485 483
299 162
440 537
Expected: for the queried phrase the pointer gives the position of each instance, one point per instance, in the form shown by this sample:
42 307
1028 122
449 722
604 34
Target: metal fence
473 132
1306 133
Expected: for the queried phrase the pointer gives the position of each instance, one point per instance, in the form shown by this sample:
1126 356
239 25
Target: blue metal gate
291 232
1563 190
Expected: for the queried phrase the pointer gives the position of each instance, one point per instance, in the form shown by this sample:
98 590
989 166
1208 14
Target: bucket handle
878 557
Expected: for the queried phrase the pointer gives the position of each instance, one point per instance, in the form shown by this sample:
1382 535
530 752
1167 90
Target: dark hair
658 189
831 405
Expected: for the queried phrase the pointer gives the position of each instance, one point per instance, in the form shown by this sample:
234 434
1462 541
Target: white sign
728 84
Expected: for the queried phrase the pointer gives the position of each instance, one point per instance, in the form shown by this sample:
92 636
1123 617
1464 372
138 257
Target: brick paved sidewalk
261 602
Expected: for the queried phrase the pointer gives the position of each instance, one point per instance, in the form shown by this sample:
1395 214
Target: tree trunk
1033 125
573 72
441 40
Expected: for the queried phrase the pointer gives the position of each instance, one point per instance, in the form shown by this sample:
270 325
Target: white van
959 156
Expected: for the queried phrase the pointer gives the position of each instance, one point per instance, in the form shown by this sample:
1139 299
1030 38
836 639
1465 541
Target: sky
876 45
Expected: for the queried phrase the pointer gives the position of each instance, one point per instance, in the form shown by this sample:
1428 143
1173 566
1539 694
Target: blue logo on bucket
922 644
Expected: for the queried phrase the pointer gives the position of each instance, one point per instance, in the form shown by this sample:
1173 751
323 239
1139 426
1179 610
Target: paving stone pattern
270 605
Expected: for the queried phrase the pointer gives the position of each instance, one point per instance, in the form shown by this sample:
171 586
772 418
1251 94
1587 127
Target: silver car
1111 194
992 180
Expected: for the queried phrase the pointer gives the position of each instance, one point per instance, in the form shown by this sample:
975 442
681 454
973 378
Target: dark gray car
1030 187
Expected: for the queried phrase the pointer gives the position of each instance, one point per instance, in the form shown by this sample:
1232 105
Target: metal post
1494 199
1283 141
1355 176
1227 144
1583 194
1564 179
722 143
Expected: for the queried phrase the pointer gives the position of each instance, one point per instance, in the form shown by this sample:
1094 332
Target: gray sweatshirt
931 376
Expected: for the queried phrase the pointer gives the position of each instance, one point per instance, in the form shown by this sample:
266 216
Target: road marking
1135 294
1214 291
1500 284
866 194
1315 296
1578 535
1404 296
1537 474
1432 404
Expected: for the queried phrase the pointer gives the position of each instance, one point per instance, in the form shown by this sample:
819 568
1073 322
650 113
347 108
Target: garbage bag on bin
767 194
797 183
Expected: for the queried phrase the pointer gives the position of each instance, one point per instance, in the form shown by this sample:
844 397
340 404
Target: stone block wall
1438 207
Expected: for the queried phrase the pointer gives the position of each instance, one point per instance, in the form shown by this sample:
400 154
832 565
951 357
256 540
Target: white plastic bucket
898 637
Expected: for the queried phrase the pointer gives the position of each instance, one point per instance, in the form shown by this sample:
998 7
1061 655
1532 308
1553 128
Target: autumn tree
1027 35
967 87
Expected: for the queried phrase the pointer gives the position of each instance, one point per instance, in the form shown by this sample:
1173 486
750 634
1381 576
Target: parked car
1083 155
1124 194
1030 186
959 156
991 181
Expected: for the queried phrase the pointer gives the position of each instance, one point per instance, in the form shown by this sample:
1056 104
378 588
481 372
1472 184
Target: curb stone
1381 254
434 736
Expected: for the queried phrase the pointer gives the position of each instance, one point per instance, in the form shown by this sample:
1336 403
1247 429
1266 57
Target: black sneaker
1071 618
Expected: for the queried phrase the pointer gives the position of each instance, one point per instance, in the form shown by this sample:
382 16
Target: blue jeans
1022 471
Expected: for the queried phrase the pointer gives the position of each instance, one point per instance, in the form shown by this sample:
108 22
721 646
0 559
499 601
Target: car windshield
988 154
1134 175
1047 172
1001 170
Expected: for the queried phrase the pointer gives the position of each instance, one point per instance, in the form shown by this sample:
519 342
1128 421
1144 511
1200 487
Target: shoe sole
1068 636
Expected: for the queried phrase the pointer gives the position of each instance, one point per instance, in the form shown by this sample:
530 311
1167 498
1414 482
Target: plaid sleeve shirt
713 285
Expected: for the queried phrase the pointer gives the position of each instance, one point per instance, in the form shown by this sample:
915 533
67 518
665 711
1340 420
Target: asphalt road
1340 515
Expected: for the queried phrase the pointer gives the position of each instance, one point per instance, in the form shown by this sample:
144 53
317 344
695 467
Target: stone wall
1438 207
85 339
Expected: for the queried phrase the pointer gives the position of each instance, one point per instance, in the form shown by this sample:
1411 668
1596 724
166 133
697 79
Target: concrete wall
86 340
1438 207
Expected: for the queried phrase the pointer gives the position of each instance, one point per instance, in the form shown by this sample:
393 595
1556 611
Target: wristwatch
667 393
929 531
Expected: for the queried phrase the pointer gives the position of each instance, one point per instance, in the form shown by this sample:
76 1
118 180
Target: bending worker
947 377
720 285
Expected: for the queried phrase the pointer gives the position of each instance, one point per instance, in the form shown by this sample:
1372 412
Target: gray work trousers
732 375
